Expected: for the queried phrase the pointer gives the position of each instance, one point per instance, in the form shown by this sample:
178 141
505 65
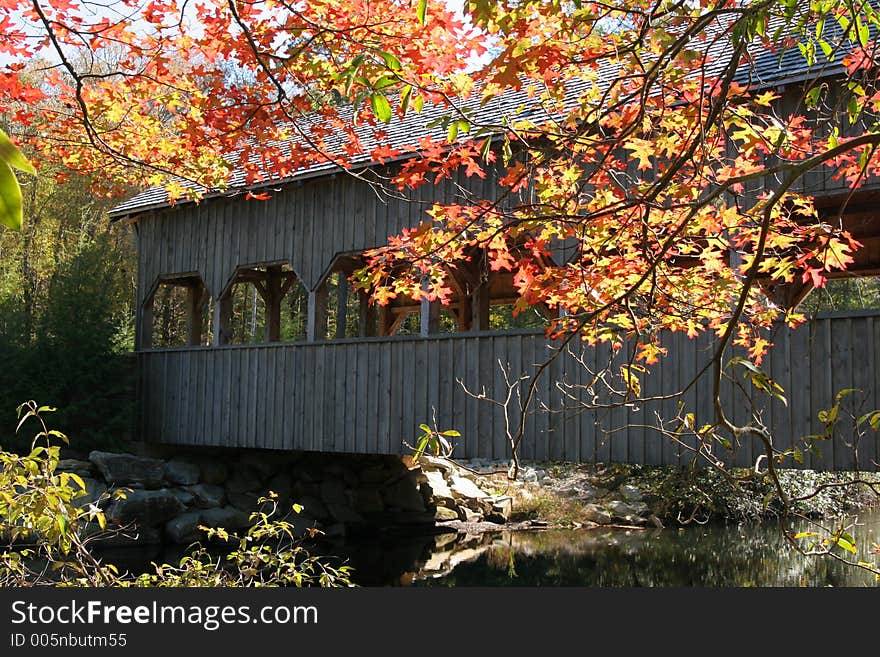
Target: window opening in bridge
177 314
266 303
342 310
844 294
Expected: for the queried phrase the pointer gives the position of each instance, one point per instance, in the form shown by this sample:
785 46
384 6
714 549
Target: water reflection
713 555
721 555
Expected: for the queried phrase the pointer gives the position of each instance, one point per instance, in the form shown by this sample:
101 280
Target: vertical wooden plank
457 372
820 393
800 395
603 438
270 390
840 336
499 391
433 408
358 427
421 411
619 431
371 397
485 378
860 352
385 409
289 393
472 380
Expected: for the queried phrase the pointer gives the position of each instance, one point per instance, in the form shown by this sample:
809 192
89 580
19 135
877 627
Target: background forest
66 317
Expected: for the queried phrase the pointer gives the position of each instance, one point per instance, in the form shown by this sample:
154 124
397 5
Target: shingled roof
765 68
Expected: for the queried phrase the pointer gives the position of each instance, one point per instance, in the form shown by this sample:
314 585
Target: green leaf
811 99
425 428
10 198
381 107
485 149
846 545
10 154
405 96
418 103
451 432
422 12
452 131
390 61
863 33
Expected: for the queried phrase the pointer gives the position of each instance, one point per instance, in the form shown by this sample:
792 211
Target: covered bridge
249 335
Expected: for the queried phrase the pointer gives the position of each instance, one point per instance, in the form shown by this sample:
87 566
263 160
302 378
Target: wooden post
316 321
368 317
195 304
222 319
480 308
430 315
386 319
341 303
273 303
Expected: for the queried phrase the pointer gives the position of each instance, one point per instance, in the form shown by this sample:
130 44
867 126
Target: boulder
227 517
208 496
367 500
183 528
214 472
314 507
128 469
75 466
404 495
333 492
182 472
184 496
247 502
630 493
265 465
440 490
444 513
468 515
596 514
344 513
465 488
502 507
623 510
146 508
282 483
244 479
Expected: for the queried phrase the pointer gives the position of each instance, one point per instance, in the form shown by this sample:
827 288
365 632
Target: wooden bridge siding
370 396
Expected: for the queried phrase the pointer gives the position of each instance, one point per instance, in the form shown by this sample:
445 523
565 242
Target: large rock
186 498
244 479
265 465
146 508
208 496
465 488
443 514
247 502
596 514
75 466
344 513
128 469
314 507
367 500
333 492
282 483
214 472
630 493
227 517
183 528
182 472
440 490
404 495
